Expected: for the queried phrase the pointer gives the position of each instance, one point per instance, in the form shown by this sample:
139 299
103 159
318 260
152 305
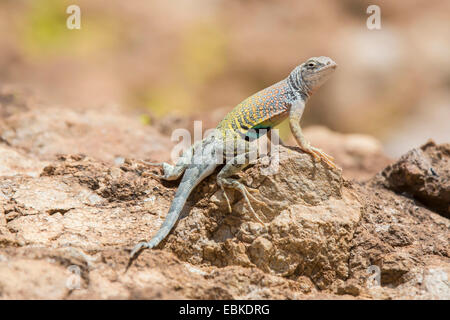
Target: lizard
263 110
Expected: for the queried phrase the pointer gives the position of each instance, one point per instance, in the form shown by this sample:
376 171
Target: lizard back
263 110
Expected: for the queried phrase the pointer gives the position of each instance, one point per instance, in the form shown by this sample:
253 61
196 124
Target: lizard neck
298 86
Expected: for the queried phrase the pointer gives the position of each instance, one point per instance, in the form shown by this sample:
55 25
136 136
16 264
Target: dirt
75 196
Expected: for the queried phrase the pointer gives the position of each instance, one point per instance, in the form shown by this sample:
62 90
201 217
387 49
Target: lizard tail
174 212
192 177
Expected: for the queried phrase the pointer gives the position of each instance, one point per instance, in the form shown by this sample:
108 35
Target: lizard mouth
328 68
330 65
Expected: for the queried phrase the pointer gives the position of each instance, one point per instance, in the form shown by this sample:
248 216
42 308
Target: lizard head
315 71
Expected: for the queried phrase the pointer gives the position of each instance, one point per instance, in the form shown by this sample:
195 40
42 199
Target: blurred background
172 62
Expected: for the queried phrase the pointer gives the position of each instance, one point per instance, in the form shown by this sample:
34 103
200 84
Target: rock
424 174
38 279
436 281
68 222
47 132
309 220
394 266
398 241
13 162
68 205
351 287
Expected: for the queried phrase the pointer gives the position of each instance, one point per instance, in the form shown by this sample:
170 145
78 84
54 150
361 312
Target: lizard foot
246 194
226 198
169 172
151 174
253 190
319 155
234 184
154 175
155 164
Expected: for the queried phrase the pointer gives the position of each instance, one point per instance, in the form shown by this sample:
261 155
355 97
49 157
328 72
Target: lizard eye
311 64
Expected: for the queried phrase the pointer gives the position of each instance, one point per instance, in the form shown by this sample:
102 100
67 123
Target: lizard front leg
295 115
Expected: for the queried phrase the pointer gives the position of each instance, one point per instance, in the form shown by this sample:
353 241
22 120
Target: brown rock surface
309 220
67 223
424 174
103 134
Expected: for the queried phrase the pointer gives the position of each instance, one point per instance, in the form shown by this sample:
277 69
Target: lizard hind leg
174 172
224 180
170 172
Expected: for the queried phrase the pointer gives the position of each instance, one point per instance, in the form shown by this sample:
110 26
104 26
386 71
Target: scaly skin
263 110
